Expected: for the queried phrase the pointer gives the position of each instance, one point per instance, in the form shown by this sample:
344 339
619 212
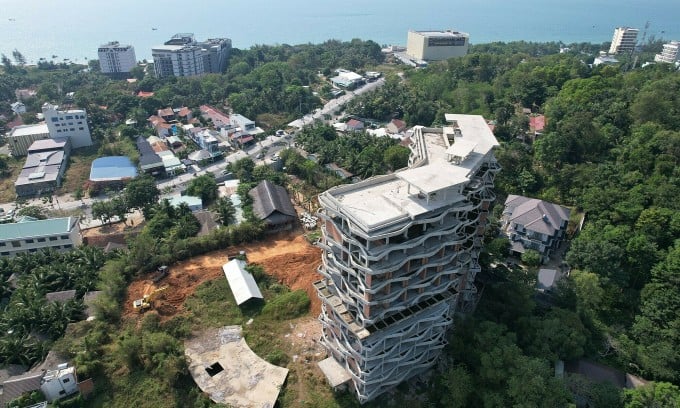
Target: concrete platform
334 372
225 368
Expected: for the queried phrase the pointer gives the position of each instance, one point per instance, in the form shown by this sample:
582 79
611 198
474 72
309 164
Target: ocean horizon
73 30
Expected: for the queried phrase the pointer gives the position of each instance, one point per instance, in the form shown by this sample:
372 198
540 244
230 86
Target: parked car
260 156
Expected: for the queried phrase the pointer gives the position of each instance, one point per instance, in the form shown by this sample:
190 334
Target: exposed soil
288 257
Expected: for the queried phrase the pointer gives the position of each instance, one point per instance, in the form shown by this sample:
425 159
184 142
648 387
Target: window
32 250
68 246
41 239
4 253
62 392
65 380
80 128
16 244
69 116
64 237
58 130
29 241
72 129
53 238
2 244
55 119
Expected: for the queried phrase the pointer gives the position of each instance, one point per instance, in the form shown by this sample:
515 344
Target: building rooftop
191 201
535 215
112 168
38 228
25 130
449 157
48 144
441 33
241 282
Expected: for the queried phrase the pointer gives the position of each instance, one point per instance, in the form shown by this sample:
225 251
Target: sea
72 30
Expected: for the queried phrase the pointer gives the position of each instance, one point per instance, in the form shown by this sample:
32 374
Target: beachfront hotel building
436 45
116 59
670 53
624 40
182 55
400 256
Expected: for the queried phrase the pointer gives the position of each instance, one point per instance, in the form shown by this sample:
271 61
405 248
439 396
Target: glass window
16 244
41 239
29 241
53 238
64 237
4 253
55 119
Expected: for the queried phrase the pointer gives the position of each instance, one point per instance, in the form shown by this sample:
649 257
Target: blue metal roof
112 168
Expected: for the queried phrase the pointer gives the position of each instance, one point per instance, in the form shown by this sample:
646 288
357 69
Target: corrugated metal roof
39 228
62 296
268 198
241 282
15 386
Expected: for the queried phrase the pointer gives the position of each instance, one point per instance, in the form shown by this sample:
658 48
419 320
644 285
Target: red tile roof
143 94
355 124
537 123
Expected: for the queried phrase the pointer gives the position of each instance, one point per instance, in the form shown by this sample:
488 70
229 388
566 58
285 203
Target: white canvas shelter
241 282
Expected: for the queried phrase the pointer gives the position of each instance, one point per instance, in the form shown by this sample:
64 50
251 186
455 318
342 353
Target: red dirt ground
288 257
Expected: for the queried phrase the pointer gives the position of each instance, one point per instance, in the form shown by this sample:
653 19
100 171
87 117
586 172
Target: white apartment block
31 236
624 40
436 45
115 58
400 256
71 124
670 53
182 55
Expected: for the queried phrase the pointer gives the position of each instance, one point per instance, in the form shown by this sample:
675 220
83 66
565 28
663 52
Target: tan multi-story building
436 45
624 40
400 256
670 53
20 138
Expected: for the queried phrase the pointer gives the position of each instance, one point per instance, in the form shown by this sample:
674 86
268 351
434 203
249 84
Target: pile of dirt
287 257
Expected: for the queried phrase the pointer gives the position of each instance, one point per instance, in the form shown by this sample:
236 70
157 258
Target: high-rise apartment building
624 40
670 53
400 256
182 55
436 45
71 124
116 59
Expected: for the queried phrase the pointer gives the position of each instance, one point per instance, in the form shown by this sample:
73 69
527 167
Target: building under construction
400 255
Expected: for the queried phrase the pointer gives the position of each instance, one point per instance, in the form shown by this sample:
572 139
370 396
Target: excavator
145 303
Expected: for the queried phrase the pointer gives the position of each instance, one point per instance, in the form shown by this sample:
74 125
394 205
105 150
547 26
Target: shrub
287 306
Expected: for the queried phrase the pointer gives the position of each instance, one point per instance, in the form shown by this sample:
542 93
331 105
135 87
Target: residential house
149 161
194 203
395 126
535 224
354 125
18 107
271 204
33 235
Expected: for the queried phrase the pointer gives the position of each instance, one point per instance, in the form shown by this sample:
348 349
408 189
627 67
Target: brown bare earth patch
288 257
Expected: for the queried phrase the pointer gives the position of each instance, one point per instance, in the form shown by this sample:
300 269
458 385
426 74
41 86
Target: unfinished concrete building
400 255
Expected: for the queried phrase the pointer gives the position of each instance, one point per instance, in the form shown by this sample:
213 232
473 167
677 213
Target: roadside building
535 224
33 235
149 161
436 45
347 79
219 119
112 171
71 123
271 204
21 137
116 60
194 203
44 167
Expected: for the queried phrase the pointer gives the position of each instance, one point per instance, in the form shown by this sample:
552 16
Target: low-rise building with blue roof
112 171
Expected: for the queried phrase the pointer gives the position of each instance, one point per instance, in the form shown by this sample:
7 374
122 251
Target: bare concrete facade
400 255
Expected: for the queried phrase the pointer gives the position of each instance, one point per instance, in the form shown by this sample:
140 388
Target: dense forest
611 149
